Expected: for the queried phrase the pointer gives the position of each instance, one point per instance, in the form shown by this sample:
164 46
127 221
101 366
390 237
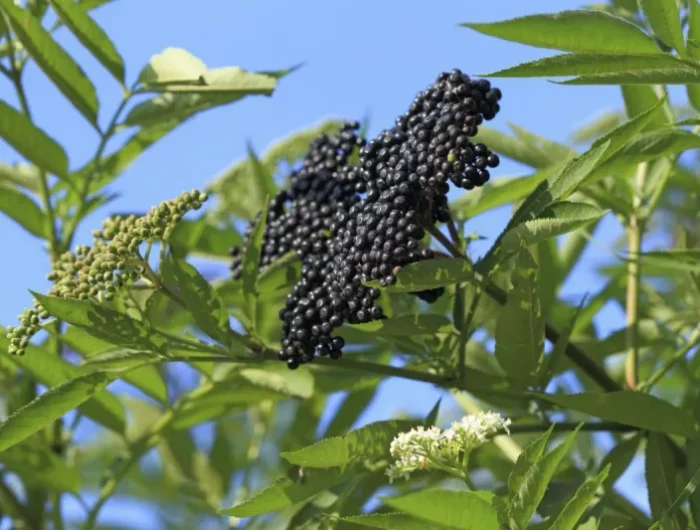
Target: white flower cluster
422 448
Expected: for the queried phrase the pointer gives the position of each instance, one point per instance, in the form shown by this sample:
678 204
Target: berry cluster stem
579 357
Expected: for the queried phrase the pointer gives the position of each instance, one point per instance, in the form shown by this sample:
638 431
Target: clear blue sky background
366 58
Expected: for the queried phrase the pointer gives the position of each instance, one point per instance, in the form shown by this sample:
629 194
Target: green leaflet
369 442
574 31
55 62
200 299
49 406
31 142
464 510
285 493
91 36
630 408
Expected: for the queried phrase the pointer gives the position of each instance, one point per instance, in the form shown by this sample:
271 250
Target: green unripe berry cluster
113 261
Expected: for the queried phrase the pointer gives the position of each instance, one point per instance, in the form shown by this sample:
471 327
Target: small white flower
422 448
474 429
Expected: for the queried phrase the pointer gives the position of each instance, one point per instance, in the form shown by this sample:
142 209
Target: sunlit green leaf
106 324
575 31
369 442
425 324
466 510
630 408
251 266
582 64
31 142
38 465
664 19
24 211
392 521
499 192
577 505
660 473
520 325
91 35
200 299
56 63
285 493
49 369
48 407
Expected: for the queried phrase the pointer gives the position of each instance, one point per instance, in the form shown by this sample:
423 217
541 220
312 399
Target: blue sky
366 59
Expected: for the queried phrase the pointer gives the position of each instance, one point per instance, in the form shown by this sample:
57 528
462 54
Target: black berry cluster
351 224
298 217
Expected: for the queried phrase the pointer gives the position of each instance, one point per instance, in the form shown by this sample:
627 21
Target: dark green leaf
672 260
656 144
261 173
56 63
520 325
640 98
429 274
293 147
369 442
693 42
466 510
431 418
619 458
660 473
393 521
628 132
407 325
559 185
146 378
630 408
518 149
531 454
597 127
106 324
122 360
350 410
285 493
574 31
251 267
680 75
24 175
527 497
48 407
549 151
168 107
499 192
31 142
556 219
203 237
664 19
38 465
571 64
91 35
104 408
23 210
201 300
577 506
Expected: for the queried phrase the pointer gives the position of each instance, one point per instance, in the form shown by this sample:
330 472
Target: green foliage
189 351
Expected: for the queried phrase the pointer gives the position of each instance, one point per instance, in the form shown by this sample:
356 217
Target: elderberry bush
351 223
